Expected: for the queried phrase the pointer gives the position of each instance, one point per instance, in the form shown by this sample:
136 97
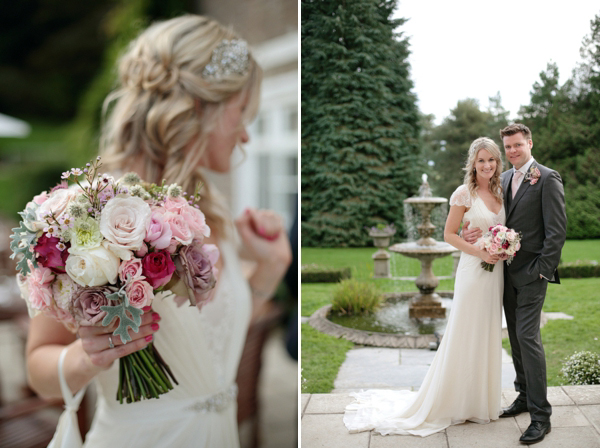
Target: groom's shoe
514 409
535 433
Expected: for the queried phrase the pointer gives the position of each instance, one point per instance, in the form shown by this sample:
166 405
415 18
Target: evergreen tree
360 124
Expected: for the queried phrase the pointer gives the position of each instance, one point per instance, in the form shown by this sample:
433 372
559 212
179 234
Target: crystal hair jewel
230 57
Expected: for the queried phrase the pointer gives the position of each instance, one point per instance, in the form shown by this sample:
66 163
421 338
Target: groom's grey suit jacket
538 212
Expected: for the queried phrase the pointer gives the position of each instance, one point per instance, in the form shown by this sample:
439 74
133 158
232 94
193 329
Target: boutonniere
533 175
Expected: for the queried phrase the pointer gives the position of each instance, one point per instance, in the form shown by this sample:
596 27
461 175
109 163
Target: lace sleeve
461 197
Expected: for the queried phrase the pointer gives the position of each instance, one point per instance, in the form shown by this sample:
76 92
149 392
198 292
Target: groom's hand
471 235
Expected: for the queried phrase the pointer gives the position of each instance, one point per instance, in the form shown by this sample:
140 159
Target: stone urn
381 258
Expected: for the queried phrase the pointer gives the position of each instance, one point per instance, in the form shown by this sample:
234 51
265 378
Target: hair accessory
230 57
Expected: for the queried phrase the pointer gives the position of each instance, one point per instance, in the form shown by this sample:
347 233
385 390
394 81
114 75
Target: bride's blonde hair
470 180
159 117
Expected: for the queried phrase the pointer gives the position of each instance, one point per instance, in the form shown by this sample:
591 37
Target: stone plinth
381 260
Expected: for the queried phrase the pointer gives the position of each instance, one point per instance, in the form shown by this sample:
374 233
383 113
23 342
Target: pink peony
130 269
39 284
49 256
87 303
158 268
140 293
40 198
179 227
196 267
158 231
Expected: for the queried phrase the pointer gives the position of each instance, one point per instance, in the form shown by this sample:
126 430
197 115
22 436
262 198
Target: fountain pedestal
381 258
427 303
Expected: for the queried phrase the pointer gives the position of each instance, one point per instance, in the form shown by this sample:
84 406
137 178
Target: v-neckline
486 207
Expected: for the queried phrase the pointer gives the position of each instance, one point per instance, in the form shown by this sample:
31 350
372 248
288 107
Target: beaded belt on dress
217 402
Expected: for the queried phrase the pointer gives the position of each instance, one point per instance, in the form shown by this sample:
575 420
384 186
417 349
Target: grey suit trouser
523 307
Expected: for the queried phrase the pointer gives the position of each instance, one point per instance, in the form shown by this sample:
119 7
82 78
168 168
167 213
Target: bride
187 88
464 380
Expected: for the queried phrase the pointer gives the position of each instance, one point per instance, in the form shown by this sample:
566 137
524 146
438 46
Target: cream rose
57 203
123 222
92 267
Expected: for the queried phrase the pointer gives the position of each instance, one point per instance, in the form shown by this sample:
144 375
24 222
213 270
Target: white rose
57 203
123 222
63 289
92 267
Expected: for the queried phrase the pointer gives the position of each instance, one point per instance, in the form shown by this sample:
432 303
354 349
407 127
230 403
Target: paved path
575 424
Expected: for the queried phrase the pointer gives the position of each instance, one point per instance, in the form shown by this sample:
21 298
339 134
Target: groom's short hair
515 128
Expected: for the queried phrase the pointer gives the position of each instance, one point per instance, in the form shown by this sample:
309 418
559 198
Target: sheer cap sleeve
461 197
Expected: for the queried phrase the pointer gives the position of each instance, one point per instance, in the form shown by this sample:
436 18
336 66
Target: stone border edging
318 320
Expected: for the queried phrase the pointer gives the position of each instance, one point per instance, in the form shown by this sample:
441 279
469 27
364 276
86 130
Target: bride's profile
187 88
463 382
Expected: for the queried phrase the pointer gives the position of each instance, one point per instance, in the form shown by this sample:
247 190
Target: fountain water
426 249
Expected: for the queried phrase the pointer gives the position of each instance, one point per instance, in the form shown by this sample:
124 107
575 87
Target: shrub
582 368
355 297
313 273
579 269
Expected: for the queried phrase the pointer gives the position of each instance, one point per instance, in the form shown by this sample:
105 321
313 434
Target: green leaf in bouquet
122 311
22 239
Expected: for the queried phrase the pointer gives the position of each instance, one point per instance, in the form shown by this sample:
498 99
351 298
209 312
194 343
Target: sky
475 48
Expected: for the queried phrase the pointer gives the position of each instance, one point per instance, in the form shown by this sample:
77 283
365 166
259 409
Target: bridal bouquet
95 249
501 241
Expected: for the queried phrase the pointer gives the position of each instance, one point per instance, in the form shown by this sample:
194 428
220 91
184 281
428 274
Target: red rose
49 255
158 268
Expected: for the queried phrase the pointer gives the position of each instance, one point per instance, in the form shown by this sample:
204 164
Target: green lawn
322 355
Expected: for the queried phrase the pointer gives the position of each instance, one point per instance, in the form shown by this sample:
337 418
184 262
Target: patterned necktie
516 182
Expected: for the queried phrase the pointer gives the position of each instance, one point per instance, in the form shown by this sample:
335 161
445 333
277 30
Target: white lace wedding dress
463 382
203 349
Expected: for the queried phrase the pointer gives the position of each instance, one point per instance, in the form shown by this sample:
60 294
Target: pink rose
123 222
175 205
196 221
39 284
140 293
130 269
493 248
195 266
142 251
40 198
179 227
158 268
87 303
50 256
158 231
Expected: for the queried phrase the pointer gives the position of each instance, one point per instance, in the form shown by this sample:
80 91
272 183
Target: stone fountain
426 303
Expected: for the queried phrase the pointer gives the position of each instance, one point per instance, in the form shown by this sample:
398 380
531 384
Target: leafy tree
454 136
360 124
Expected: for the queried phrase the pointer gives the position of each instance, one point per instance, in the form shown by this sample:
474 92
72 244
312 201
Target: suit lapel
521 191
505 186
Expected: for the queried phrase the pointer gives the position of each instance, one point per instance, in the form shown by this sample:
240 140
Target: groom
535 206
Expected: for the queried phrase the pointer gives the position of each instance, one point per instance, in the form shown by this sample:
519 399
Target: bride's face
485 164
230 131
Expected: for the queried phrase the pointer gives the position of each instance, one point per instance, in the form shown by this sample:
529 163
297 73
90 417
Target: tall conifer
360 125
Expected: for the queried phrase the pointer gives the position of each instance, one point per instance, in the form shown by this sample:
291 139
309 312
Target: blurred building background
56 66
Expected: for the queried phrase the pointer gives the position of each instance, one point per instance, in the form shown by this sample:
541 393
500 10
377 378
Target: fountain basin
320 321
415 250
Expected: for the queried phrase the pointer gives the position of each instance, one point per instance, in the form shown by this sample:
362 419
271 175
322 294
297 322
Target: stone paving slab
570 438
592 412
328 403
583 394
304 399
562 417
328 431
438 440
498 434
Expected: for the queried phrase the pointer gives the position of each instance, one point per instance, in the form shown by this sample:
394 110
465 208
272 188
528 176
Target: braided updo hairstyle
159 117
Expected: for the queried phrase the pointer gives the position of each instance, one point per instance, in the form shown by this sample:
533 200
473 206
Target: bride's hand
491 259
96 343
264 238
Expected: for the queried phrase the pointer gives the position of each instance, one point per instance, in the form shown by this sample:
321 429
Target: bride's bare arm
455 217
87 355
